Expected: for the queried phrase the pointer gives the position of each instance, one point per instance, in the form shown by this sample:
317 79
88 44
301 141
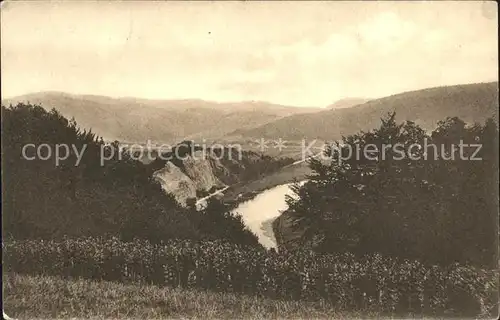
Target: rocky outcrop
222 171
195 172
174 181
199 169
195 169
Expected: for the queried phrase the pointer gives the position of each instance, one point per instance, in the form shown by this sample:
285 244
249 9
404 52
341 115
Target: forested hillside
437 203
84 196
471 103
161 121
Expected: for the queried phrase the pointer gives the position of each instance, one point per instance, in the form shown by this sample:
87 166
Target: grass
55 297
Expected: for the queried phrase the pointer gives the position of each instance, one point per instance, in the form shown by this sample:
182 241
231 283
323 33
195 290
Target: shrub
372 283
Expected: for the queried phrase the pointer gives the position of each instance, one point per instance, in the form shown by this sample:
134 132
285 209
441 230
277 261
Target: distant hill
347 103
137 120
471 103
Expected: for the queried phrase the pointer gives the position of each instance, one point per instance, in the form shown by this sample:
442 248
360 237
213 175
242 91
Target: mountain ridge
139 120
470 102
347 103
162 103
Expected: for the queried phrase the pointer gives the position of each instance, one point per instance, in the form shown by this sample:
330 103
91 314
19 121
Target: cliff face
198 167
174 181
203 169
225 171
196 174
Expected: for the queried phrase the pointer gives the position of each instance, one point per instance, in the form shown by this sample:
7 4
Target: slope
471 102
139 120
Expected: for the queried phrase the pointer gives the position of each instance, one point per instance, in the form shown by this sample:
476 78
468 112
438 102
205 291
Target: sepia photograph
250 159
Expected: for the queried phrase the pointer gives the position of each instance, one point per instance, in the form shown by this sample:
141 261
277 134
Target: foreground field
55 297
372 284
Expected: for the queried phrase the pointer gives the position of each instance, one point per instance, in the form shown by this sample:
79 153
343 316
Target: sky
292 53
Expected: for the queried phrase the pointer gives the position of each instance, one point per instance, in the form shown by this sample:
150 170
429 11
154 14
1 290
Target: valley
261 211
134 120
250 160
266 152
234 188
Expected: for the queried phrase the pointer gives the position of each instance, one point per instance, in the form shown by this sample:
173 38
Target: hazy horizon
288 53
222 102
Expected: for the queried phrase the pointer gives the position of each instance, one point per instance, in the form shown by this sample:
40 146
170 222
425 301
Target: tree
403 202
216 221
42 199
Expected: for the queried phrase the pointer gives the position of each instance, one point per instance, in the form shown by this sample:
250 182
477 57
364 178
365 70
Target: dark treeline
118 198
438 210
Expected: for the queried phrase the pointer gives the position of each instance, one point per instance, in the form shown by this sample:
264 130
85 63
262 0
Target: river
265 207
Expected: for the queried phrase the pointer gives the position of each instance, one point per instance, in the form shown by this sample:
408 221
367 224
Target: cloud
308 54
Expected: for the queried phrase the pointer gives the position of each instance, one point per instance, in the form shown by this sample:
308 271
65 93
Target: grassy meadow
214 280
55 297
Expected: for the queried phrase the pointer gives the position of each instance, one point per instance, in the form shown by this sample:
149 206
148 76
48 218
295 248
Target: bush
372 283
217 221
